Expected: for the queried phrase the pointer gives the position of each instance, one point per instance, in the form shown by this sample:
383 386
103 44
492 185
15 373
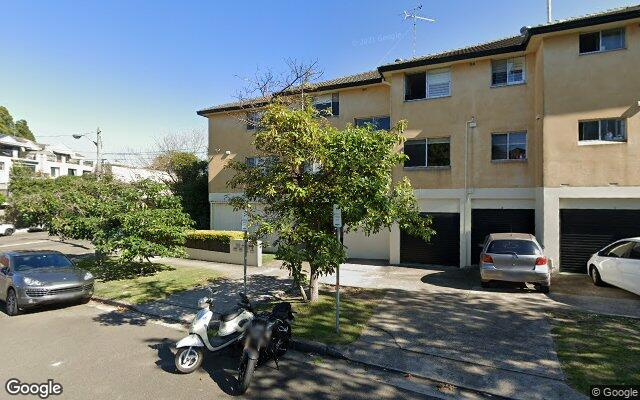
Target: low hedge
212 240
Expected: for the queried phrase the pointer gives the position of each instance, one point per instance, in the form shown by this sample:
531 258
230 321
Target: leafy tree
132 221
189 181
308 167
22 130
7 126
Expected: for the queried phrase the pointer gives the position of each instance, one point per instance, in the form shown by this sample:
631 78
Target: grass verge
317 321
138 283
597 349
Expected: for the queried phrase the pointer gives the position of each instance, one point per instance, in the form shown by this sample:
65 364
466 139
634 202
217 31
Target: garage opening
442 249
485 221
584 232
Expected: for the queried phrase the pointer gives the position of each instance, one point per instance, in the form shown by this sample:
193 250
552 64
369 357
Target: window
428 153
55 171
327 104
72 172
379 123
253 120
260 162
507 72
618 250
606 130
438 83
634 253
611 39
415 86
509 146
520 247
431 85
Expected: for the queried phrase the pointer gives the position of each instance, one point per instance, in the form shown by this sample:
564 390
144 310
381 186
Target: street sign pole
337 223
245 228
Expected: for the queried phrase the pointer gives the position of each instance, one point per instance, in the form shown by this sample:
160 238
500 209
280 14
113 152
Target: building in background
127 173
49 160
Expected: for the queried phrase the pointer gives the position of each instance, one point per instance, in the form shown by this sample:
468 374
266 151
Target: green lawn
267 258
595 349
143 282
316 321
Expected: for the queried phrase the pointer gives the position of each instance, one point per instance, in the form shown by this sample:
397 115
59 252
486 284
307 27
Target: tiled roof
364 78
500 46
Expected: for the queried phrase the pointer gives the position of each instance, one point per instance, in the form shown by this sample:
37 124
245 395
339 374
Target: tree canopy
131 221
18 128
306 167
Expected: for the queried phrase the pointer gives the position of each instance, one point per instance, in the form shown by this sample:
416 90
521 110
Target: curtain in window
499 72
439 83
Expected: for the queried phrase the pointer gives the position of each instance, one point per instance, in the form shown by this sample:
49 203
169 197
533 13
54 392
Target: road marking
23 244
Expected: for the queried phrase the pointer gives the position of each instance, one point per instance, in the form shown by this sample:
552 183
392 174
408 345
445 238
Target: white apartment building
51 160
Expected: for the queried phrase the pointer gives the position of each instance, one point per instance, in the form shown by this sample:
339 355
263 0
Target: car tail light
541 261
487 259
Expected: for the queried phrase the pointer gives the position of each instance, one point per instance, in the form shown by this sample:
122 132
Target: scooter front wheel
189 359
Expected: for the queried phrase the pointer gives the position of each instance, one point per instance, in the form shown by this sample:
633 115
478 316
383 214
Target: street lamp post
98 143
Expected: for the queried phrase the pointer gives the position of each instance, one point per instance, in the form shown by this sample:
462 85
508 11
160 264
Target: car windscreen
511 246
25 262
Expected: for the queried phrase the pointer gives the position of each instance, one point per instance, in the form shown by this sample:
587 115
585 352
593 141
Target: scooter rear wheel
189 359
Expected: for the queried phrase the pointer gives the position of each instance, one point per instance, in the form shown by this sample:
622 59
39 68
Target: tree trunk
313 285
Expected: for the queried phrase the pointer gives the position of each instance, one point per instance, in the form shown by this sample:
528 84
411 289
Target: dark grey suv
32 278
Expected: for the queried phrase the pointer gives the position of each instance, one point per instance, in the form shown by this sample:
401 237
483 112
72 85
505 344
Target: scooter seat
230 315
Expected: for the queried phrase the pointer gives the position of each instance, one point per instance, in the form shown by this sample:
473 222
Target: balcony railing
73 161
27 155
88 163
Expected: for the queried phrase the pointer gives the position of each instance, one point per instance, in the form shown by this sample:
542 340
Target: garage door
583 232
442 249
487 221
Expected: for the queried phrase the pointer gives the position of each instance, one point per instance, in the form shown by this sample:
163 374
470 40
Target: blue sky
141 69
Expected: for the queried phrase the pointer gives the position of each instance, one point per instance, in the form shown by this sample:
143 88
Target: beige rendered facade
540 129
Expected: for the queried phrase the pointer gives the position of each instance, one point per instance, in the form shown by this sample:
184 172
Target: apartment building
538 133
51 160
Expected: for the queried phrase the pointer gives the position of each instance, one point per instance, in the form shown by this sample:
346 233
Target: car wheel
11 303
8 232
595 276
543 288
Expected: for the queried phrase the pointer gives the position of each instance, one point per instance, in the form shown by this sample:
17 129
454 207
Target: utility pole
549 19
98 151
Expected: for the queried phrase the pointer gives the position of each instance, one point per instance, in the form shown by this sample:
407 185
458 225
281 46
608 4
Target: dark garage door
442 249
583 232
485 221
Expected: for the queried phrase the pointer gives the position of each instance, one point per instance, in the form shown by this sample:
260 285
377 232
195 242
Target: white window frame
601 50
526 147
253 118
439 71
510 62
327 98
600 140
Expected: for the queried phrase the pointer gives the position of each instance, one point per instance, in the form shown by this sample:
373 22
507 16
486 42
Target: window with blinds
438 83
507 72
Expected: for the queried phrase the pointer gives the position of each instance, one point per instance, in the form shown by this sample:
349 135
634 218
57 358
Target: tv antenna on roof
412 13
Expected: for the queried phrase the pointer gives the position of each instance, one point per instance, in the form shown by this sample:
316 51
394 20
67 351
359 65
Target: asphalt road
42 241
97 352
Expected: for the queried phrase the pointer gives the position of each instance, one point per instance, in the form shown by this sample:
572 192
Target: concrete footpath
436 323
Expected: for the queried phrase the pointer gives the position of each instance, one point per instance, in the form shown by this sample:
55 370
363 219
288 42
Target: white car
617 264
7 229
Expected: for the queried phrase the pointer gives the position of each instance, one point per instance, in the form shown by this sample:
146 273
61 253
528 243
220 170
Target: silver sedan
32 278
514 257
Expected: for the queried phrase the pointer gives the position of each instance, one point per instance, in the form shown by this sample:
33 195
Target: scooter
231 328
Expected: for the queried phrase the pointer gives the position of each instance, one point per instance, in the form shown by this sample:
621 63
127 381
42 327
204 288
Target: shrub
212 240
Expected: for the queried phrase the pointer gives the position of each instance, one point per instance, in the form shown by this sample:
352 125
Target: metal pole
98 152
245 262
338 289
549 11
